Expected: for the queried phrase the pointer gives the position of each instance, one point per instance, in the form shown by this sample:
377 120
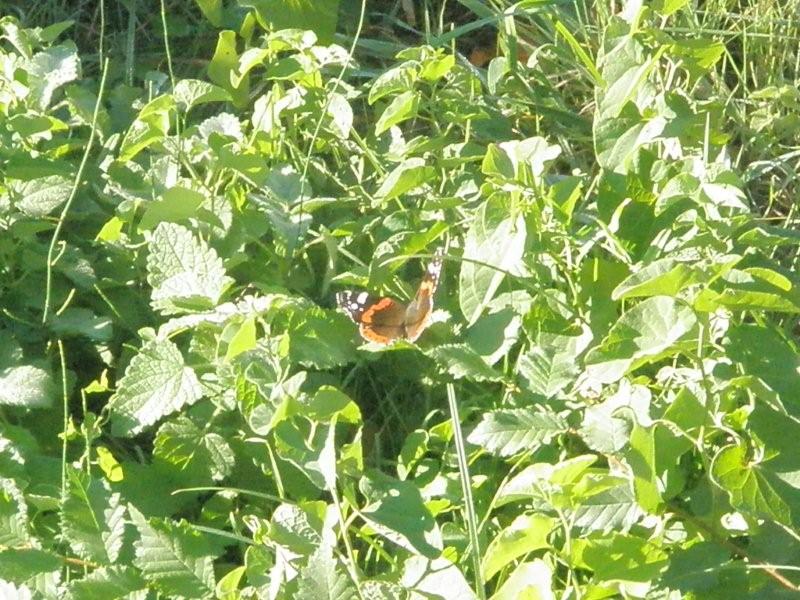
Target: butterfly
384 320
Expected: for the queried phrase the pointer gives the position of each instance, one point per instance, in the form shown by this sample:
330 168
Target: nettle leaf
203 453
23 383
525 534
175 558
51 69
395 510
185 273
406 176
506 432
400 109
323 579
13 515
156 383
107 583
551 362
92 518
651 330
39 197
604 504
461 361
189 93
496 240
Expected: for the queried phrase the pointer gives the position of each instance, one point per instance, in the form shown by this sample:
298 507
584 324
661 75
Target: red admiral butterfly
384 320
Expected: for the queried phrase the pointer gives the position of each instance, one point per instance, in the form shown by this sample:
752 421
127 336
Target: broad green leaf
752 289
506 432
529 581
519 160
619 557
525 534
496 240
396 511
329 402
606 426
605 504
13 514
551 362
40 197
400 109
151 126
341 114
23 383
392 81
321 339
669 7
212 10
175 558
185 273
649 331
223 69
157 382
461 361
494 334
199 453
697 568
527 483
664 277
107 583
189 93
311 452
176 204
51 69
320 16
297 527
435 578
323 578
406 176
92 518
82 322
21 565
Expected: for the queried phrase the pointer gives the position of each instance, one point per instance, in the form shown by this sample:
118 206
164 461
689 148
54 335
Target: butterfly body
384 320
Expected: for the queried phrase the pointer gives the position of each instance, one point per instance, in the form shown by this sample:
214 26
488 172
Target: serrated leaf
496 240
20 565
39 197
534 479
551 363
650 330
606 505
202 453
51 69
619 557
156 383
323 579
506 432
175 558
461 361
185 273
92 519
23 383
108 583
13 515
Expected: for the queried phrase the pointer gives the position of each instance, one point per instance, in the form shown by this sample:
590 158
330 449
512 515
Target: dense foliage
604 405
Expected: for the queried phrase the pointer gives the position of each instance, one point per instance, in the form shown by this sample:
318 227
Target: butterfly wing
419 311
379 320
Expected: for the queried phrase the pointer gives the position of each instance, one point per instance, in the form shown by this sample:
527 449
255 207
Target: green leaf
532 580
223 69
493 335
21 565
172 556
50 69
403 107
189 93
606 426
23 383
669 7
311 452
496 240
619 557
651 330
605 503
396 511
82 322
13 514
321 16
665 277
321 339
107 583
551 362
438 578
406 176
461 361
176 204
203 454
212 10
525 534
323 579
156 383
506 432
92 519
752 289
185 273
40 197
398 79
528 483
